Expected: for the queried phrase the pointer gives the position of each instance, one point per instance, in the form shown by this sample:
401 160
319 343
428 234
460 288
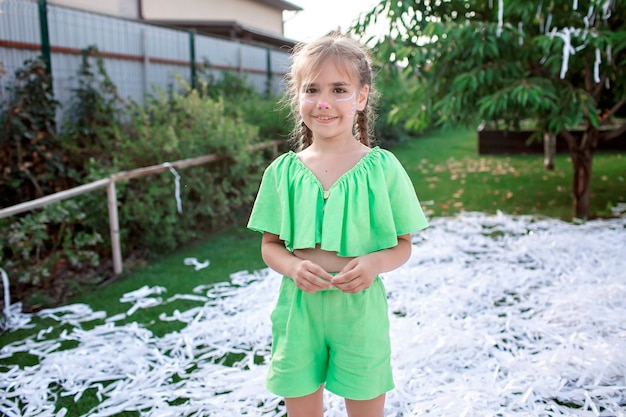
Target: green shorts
330 337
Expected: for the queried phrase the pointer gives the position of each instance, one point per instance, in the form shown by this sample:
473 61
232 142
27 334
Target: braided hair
306 62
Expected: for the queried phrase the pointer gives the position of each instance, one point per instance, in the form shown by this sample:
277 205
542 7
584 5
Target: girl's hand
310 277
361 271
356 276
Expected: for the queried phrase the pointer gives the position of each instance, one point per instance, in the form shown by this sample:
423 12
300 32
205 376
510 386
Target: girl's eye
340 90
310 90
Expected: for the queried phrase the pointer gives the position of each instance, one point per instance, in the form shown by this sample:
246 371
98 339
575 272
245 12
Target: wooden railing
109 183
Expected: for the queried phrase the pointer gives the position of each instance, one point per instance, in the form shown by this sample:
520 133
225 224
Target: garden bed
500 142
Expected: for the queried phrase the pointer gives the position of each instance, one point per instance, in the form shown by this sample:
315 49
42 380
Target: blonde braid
306 137
362 127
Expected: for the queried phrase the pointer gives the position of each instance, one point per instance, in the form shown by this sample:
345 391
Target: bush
393 125
102 135
30 153
93 113
243 101
177 127
58 235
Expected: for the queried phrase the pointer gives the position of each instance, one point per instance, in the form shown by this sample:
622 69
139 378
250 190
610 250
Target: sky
318 17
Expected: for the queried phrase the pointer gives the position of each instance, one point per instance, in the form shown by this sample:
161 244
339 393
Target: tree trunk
582 160
549 150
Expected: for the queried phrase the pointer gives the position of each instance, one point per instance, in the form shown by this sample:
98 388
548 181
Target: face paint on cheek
342 100
352 111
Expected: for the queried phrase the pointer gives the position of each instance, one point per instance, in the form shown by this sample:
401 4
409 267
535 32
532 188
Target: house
254 21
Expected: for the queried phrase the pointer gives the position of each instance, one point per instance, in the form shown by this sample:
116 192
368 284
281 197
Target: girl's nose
322 105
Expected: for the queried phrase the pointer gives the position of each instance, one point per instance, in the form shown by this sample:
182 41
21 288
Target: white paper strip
491 316
179 202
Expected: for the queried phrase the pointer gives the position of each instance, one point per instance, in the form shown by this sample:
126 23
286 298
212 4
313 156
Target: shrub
46 239
102 135
243 101
393 125
172 128
30 153
93 113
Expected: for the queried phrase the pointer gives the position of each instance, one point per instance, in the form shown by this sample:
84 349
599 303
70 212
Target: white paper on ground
491 316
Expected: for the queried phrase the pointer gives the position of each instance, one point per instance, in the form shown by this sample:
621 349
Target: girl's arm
307 275
359 273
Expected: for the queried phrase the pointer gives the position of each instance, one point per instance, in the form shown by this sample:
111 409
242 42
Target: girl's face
329 101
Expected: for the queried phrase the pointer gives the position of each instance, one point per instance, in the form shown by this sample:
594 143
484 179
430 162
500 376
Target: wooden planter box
498 142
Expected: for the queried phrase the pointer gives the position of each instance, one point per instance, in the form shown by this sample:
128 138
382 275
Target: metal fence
139 57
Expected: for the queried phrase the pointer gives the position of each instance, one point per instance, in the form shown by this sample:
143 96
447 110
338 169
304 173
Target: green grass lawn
228 251
449 177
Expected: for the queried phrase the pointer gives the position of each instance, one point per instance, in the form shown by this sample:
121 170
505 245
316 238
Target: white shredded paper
179 201
196 264
491 316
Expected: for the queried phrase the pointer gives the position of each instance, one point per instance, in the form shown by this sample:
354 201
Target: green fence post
268 90
45 37
192 57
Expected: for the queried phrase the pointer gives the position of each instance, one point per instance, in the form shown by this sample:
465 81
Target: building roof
231 30
280 4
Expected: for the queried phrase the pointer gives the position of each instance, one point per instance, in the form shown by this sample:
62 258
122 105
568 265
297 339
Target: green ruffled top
363 211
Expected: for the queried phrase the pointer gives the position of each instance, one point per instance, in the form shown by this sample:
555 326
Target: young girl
334 216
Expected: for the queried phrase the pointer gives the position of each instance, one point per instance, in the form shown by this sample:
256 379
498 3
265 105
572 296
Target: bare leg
311 405
367 408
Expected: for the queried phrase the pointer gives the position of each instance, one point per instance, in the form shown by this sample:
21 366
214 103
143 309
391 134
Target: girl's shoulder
386 155
283 157
382 159
282 161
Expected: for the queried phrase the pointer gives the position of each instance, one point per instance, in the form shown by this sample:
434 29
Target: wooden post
549 150
114 227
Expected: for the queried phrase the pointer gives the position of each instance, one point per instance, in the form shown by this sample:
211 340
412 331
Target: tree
559 63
